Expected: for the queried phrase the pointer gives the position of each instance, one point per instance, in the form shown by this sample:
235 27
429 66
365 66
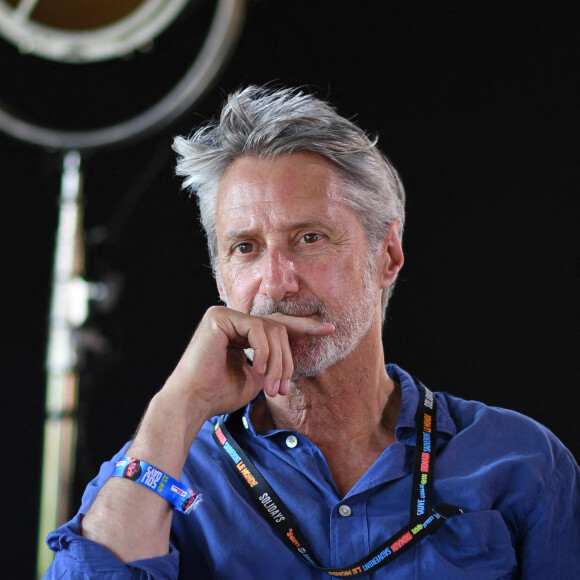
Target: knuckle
213 314
279 329
216 310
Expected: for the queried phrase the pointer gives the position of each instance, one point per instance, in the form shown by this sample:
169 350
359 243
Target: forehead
278 190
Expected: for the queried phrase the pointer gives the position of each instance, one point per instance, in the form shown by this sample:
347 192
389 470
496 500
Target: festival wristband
178 495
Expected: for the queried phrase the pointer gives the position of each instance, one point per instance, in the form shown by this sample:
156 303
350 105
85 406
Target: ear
219 287
392 255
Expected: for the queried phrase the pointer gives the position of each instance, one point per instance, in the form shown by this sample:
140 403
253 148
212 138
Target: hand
212 377
213 372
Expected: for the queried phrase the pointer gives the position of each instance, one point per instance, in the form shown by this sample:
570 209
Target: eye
243 248
310 238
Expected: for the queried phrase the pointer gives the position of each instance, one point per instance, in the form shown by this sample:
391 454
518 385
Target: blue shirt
518 486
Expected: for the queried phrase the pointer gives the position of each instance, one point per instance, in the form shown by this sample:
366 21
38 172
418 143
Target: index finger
302 325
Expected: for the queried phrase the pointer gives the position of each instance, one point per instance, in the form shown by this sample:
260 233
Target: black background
475 102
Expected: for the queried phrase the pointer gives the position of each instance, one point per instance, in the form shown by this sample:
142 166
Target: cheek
241 288
337 276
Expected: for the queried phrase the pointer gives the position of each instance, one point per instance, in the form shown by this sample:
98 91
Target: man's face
287 243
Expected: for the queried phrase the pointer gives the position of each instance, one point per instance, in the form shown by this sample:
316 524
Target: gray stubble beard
312 355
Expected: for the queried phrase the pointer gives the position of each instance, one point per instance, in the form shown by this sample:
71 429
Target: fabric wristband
178 495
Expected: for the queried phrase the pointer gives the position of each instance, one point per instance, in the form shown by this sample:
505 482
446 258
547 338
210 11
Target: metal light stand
70 292
67 310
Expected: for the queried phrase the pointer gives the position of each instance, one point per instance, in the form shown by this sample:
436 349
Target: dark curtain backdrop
476 104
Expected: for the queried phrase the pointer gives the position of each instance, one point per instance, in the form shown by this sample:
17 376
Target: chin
311 360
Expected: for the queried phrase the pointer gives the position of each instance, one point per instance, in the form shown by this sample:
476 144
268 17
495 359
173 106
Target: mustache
290 307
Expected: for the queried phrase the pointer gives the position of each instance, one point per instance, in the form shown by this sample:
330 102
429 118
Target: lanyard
424 518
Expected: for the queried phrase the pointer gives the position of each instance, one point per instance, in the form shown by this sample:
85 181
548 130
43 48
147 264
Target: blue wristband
178 495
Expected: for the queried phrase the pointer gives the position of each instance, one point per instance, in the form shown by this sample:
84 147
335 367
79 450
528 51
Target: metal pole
60 426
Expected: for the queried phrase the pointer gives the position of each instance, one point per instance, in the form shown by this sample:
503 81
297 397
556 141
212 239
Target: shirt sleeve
550 546
78 558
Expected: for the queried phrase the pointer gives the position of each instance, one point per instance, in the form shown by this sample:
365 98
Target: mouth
304 309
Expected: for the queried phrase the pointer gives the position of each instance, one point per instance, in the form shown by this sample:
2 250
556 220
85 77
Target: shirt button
344 511
245 422
291 441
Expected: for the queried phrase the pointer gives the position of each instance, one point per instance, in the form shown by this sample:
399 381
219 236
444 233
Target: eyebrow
234 235
241 234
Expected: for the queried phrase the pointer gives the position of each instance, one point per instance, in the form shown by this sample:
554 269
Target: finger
302 326
324 329
272 356
287 365
287 368
278 357
258 342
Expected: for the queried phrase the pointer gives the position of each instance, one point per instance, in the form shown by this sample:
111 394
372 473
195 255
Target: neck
349 411
327 407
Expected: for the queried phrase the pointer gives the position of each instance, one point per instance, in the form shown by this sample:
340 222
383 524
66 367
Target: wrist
166 433
176 493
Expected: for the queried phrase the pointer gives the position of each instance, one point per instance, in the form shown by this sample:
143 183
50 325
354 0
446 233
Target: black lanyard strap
424 519
426 425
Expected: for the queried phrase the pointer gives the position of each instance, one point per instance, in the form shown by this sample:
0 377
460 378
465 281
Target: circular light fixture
80 31
86 40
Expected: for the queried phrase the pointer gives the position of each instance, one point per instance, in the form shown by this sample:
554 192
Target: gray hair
265 122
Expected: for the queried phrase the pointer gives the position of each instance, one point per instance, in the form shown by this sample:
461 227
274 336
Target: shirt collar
405 429
245 413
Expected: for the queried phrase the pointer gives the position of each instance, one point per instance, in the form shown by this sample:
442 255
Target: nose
279 278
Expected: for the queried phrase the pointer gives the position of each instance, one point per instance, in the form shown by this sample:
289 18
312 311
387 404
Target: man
315 458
